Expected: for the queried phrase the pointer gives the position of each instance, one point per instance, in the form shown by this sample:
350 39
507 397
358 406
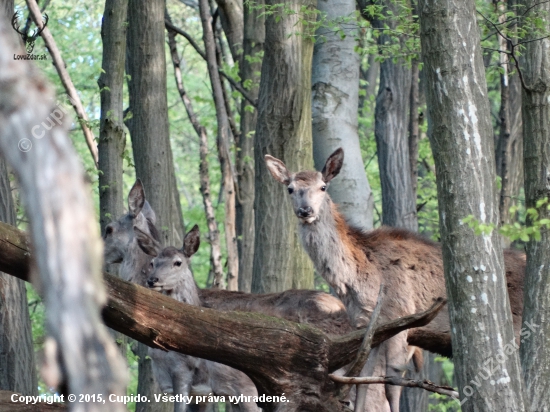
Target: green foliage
531 222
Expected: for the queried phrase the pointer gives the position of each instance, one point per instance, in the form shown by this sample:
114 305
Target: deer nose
305 211
151 282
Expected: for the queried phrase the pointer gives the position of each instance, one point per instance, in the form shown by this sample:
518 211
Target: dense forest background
382 38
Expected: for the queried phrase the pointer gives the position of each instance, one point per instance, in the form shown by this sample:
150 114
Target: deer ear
333 165
277 169
136 198
146 243
148 212
191 242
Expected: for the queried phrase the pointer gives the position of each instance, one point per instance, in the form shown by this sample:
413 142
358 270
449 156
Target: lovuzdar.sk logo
28 36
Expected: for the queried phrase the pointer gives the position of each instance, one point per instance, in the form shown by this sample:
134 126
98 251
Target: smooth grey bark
335 97
251 66
284 131
66 242
461 136
17 364
535 356
391 132
149 131
232 20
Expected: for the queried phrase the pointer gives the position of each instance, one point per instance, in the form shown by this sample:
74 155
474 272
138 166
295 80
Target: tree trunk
146 65
509 156
414 124
251 65
335 79
148 125
112 137
17 364
66 242
283 131
535 356
246 341
223 138
391 131
461 136
231 17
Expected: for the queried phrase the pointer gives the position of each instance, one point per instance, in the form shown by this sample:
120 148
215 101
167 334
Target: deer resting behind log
355 262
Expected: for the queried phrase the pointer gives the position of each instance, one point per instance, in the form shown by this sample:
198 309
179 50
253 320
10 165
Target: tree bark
535 357
391 131
17 363
66 240
414 127
232 19
223 138
335 79
461 136
149 131
251 65
148 125
112 137
245 341
284 131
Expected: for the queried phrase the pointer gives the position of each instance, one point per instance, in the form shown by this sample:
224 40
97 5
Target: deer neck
135 264
335 255
186 291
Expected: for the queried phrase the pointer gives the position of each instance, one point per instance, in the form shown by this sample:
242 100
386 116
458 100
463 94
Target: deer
355 262
133 241
27 38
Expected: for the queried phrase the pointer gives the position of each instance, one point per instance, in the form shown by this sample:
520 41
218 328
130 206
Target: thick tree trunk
149 123
251 65
112 137
66 240
335 85
146 65
414 125
245 341
535 356
391 131
223 138
284 131
461 136
17 364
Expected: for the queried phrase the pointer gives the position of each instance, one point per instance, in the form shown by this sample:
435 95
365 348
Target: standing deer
355 262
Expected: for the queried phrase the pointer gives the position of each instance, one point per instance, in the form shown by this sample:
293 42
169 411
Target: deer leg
396 362
372 398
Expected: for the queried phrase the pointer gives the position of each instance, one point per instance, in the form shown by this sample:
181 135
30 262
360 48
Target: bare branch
394 380
169 26
65 78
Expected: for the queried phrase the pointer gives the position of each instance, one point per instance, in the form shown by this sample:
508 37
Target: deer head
119 235
171 266
27 38
307 189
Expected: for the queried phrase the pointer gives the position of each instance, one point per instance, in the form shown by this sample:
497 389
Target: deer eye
177 263
290 190
324 188
108 230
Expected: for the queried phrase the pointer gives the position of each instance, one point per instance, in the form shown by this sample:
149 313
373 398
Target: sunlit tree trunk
461 136
535 354
335 85
284 131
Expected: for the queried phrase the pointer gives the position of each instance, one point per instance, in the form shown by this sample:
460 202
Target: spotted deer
355 262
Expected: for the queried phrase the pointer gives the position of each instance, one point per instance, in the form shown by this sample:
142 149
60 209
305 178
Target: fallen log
280 356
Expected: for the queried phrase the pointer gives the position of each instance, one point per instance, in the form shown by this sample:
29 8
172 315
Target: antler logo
28 37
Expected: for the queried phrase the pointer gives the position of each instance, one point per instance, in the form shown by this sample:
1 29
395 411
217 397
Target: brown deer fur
355 262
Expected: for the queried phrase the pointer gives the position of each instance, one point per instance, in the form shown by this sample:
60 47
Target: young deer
355 262
170 274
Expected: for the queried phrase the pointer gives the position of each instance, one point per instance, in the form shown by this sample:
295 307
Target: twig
193 43
397 381
65 78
